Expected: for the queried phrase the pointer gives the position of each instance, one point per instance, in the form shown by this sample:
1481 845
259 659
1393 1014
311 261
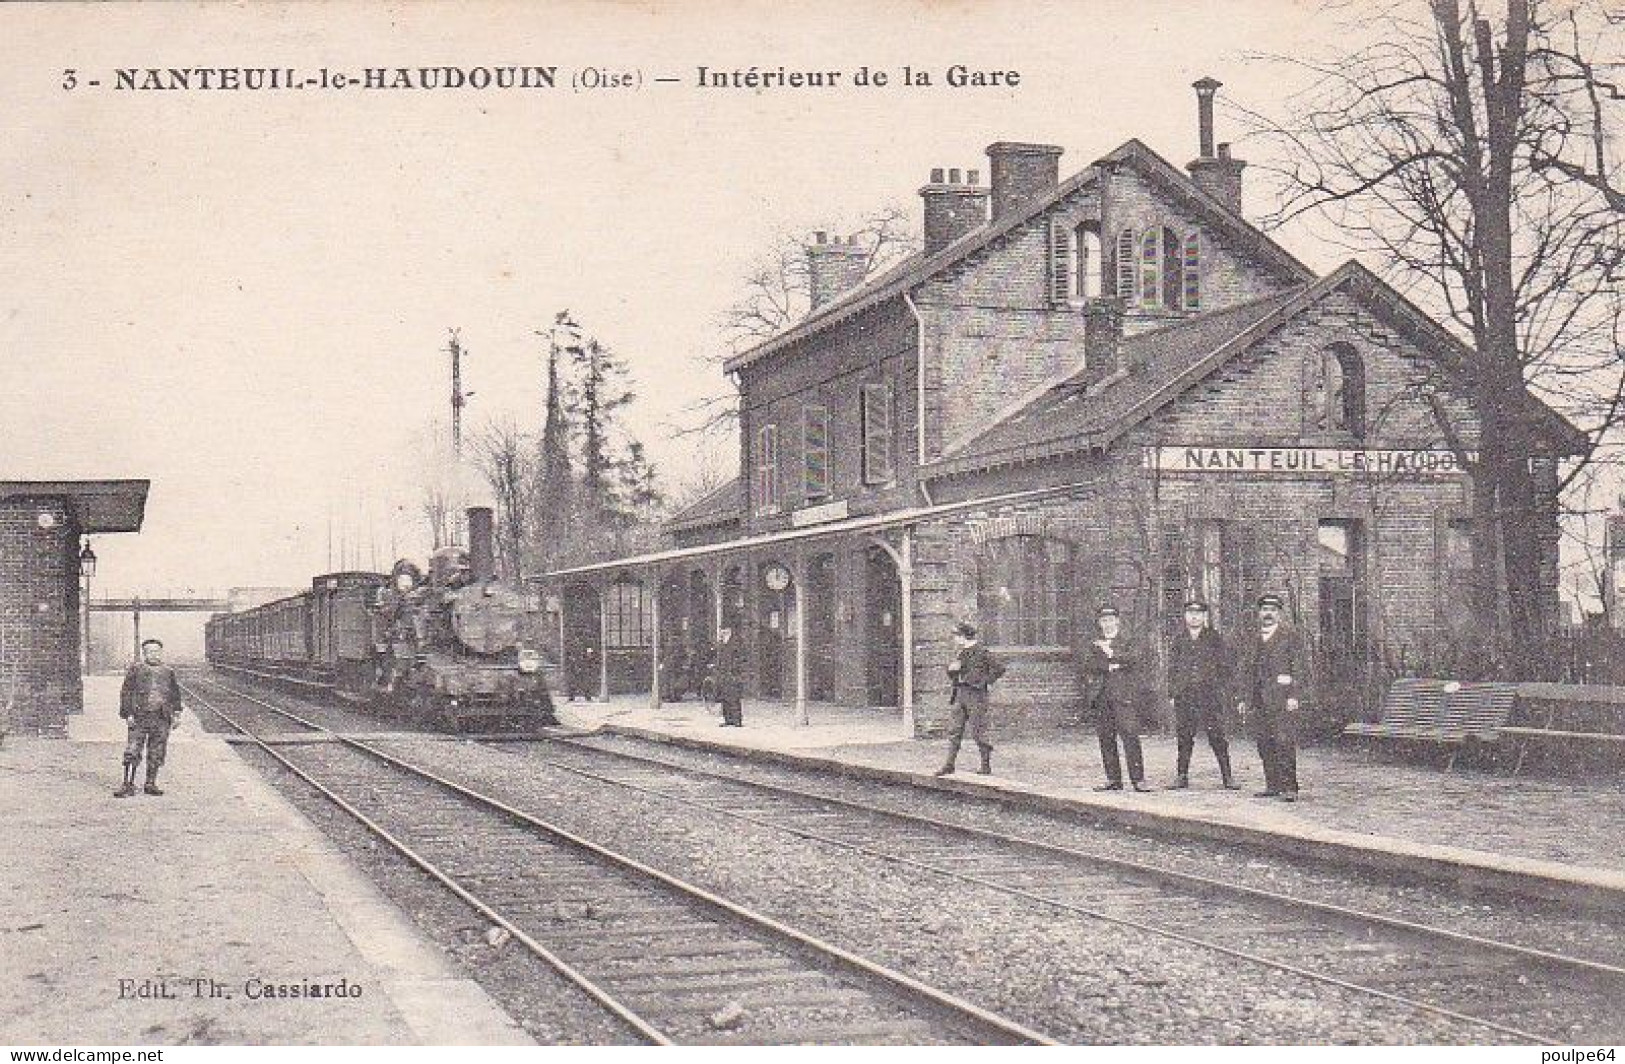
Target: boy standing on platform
151 702
973 672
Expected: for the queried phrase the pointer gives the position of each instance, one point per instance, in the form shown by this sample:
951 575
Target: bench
1528 716
1441 712
1584 720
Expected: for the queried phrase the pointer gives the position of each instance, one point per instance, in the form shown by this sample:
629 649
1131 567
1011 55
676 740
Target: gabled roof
1070 418
920 267
718 507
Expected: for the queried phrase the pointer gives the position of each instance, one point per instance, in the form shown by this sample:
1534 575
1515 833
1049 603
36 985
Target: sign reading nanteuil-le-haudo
1301 461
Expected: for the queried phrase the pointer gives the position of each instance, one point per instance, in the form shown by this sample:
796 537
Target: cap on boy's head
965 629
145 643
1270 600
1107 611
1197 605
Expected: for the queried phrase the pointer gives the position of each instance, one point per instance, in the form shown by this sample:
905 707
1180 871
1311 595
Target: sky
245 296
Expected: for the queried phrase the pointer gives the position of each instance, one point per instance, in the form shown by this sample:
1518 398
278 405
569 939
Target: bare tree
1467 152
438 481
504 456
776 294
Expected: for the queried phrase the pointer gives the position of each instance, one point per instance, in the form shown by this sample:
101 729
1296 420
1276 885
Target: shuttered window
1151 268
876 416
1060 263
1086 264
767 469
1126 245
815 451
1193 272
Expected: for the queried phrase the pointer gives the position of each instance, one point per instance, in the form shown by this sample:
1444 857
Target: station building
42 528
1107 387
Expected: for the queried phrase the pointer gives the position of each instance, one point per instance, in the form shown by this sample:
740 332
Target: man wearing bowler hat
1269 684
1198 683
1113 690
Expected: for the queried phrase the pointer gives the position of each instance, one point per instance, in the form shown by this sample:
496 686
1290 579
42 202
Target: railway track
671 961
1405 963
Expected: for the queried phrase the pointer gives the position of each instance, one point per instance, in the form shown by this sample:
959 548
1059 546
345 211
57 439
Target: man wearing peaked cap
1198 683
973 671
1270 683
1113 692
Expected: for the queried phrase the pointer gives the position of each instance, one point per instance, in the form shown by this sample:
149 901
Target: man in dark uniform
1112 690
973 672
1269 682
728 678
582 675
150 701
1198 683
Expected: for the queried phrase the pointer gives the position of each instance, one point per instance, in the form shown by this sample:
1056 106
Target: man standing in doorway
151 702
728 678
973 672
1269 683
1198 683
1112 690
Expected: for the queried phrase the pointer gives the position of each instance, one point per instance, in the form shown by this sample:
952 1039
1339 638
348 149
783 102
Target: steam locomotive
452 648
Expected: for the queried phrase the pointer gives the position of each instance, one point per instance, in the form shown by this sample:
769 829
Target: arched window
1151 268
1024 591
1342 399
1086 262
1193 272
1126 245
1173 270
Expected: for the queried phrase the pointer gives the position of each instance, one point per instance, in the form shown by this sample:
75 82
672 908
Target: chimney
834 266
1217 175
482 561
953 207
1102 339
1021 174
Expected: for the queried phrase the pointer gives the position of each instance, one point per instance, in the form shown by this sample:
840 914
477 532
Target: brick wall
39 616
1230 275
1120 518
830 371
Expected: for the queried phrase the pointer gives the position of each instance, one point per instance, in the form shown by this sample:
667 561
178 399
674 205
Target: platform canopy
99 505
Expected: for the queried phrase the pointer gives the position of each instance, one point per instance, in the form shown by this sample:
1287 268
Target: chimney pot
973 177
1217 175
1021 174
952 209
1205 89
819 236
834 267
481 544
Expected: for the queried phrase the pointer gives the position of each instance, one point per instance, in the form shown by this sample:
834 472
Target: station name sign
1301 461
817 515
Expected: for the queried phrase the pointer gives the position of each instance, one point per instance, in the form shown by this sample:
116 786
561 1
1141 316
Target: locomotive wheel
421 709
446 717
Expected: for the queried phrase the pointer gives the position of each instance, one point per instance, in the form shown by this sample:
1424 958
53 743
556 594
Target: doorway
883 627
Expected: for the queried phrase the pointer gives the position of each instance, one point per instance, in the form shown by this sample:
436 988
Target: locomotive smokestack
482 559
